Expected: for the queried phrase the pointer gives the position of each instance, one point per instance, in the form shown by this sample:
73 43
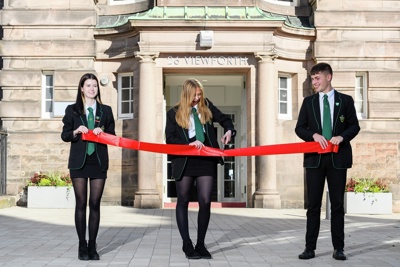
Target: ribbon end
331 148
335 148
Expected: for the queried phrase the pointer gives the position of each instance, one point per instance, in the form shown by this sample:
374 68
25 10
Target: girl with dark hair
88 161
191 122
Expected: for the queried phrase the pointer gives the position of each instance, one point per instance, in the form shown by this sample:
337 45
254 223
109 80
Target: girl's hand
97 131
227 137
197 144
81 129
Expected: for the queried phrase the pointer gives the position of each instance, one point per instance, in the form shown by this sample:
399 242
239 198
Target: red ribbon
173 149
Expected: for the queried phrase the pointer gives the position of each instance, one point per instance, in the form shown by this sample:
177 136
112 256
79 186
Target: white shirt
331 99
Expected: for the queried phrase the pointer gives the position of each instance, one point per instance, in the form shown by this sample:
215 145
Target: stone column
147 195
266 194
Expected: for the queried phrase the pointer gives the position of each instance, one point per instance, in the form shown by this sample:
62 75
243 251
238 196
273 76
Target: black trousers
336 179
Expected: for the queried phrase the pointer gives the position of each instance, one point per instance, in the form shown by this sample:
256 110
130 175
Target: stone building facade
253 58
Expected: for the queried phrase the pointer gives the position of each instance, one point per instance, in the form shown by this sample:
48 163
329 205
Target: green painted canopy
200 13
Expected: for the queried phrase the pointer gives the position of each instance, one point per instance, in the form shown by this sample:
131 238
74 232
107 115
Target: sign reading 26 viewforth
208 61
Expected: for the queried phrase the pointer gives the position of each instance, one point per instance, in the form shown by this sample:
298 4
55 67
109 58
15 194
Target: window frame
364 95
123 2
47 114
120 100
288 115
285 3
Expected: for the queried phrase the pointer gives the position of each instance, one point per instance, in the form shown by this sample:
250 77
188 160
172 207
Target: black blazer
73 119
345 124
175 134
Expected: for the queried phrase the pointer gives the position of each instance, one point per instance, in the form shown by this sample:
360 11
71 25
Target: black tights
81 191
204 186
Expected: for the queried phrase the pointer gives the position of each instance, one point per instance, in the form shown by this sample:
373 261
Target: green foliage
366 185
44 182
50 179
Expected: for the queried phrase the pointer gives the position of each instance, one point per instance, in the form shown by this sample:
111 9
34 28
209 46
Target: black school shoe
338 254
189 250
202 250
83 253
307 254
93 255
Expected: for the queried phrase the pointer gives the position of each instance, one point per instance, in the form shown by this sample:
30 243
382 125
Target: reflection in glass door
229 183
227 174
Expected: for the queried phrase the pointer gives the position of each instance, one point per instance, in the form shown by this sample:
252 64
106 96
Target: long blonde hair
185 104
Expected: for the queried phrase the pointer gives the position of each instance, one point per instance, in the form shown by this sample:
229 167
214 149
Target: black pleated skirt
201 166
91 169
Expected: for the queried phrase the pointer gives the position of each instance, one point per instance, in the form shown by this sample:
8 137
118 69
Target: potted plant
51 190
367 196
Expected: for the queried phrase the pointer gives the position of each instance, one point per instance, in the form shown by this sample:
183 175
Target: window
47 95
125 96
285 2
285 97
123 2
360 99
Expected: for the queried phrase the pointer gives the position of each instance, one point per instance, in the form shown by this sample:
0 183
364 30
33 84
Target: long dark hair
79 105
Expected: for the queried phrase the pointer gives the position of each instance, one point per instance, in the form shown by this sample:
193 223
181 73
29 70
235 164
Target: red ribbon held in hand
174 149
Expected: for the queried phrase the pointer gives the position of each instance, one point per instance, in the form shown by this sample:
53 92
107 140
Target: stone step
213 205
7 202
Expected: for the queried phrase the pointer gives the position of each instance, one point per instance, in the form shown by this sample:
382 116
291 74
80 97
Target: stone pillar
266 194
147 195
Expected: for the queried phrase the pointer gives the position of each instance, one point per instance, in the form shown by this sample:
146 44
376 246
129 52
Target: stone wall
363 36
42 36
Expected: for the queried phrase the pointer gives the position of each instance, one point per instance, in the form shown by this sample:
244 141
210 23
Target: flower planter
53 197
368 203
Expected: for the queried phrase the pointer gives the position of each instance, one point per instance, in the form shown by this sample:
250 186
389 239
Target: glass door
229 184
226 92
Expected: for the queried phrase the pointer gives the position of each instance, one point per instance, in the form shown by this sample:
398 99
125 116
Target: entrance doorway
228 94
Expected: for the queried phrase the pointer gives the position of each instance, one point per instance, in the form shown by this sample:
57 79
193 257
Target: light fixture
206 38
104 81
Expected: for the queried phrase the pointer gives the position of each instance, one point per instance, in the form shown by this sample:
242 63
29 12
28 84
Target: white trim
123 2
60 106
44 100
288 114
360 100
120 114
284 3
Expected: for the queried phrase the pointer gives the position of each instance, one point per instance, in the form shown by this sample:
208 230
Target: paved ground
237 237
